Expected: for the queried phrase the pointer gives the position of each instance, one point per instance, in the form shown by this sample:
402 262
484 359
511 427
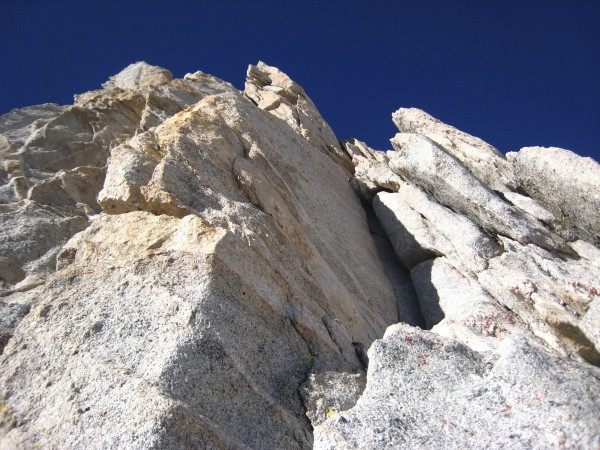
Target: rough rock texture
273 91
510 296
426 391
450 183
481 159
54 157
564 183
184 265
191 311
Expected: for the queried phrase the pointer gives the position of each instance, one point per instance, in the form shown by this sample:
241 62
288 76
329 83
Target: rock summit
187 265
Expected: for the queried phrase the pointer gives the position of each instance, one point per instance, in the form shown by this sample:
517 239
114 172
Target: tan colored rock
275 92
358 149
223 288
54 157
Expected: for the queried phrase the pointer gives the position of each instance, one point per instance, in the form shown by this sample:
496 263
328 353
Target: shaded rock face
184 265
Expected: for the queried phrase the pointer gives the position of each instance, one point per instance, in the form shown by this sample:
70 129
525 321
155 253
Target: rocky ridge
186 265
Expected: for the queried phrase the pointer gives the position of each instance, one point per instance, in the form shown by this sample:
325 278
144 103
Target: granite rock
480 158
565 183
184 265
193 309
428 391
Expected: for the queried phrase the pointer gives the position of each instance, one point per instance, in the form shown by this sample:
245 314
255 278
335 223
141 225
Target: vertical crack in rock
307 372
499 280
407 301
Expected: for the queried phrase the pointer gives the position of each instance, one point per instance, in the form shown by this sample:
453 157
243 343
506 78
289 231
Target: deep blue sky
515 73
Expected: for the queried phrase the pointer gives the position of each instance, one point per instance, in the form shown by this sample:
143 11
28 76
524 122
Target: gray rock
455 305
590 324
411 235
427 391
10 271
565 183
452 185
407 301
552 295
327 393
11 315
31 235
429 229
480 158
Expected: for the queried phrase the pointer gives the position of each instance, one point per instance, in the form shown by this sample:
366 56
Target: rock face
508 291
184 265
564 183
190 312
426 391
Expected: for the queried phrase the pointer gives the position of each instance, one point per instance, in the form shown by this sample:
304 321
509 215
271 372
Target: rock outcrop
508 291
564 183
185 265
191 311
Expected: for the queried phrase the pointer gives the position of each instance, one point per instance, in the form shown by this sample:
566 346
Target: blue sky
514 73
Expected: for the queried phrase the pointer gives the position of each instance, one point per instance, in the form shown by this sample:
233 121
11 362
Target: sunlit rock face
187 265
507 285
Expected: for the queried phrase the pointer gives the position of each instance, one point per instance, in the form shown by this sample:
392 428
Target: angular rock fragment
433 229
480 158
452 185
275 92
427 391
552 295
565 183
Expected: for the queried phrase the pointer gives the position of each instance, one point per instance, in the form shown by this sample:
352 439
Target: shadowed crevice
407 301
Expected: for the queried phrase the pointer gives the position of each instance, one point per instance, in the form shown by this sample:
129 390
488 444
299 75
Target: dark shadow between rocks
429 299
407 301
